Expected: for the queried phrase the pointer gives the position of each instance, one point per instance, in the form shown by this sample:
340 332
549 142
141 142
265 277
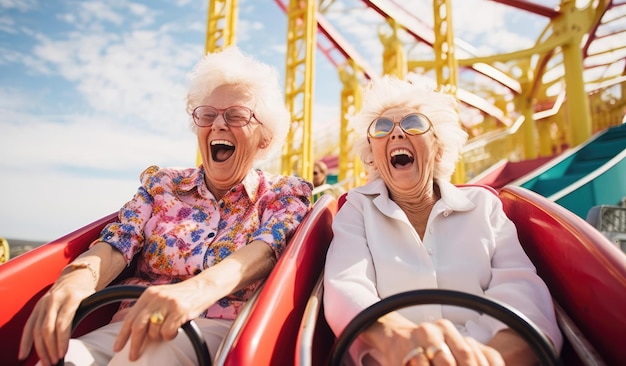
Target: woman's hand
437 343
50 324
158 314
178 303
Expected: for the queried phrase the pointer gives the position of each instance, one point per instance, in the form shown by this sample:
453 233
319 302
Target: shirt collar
250 183
451 195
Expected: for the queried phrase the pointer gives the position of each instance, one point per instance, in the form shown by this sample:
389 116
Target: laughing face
405 162
228 152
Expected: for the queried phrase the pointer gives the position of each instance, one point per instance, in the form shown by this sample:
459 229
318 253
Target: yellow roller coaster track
520 105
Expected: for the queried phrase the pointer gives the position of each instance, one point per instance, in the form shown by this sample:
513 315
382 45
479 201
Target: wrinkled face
404 161
229 152
318 176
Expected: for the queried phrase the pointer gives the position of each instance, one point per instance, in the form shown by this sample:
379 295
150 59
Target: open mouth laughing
401 158
221 150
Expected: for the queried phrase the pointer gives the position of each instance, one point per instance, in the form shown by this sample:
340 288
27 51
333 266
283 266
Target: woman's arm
105 261
240 269
184 301
49 325
515 281
349 274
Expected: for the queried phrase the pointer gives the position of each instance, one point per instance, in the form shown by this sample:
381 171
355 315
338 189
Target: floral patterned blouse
176 228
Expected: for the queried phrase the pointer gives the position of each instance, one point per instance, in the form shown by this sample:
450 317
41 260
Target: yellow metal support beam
394 55
578 110
446 66
301 32
222 22
351 102
524 104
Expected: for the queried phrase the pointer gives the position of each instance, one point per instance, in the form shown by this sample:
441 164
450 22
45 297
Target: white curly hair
441 108
232 67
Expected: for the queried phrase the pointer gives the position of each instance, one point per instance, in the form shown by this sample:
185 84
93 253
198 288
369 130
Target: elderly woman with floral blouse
203 238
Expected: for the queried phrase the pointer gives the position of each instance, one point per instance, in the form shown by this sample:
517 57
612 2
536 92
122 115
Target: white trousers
96 348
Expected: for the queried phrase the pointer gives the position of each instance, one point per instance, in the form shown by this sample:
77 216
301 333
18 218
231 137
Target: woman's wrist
75 266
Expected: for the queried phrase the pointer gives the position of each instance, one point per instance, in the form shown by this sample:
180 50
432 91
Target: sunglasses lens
380 127
414 124
237 116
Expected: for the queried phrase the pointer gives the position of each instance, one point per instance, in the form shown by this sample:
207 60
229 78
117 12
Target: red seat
585 272
267 336
24 279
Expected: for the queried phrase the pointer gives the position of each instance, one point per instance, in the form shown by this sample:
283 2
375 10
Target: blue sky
92 92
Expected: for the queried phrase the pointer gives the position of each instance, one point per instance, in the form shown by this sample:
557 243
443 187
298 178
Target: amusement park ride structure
522 105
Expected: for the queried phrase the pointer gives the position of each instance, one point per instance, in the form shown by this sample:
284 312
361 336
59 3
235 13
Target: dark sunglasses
411 124
236 116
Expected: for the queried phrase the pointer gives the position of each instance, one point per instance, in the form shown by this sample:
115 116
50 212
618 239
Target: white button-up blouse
469 245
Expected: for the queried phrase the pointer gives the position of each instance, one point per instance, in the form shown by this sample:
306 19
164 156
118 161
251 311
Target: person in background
320 173
203 238
410 228
321 187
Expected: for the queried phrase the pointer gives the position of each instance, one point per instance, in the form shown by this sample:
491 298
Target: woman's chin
404 172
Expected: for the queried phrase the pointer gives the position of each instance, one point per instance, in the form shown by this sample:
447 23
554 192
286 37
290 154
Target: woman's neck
417 204
218 193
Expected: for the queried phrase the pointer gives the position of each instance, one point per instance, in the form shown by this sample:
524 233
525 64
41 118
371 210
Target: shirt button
430 251
211 234
446 213
233 189
222 204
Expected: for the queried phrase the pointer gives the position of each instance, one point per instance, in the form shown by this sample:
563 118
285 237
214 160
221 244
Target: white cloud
138 74
7 25
65 171
45 205
182 2
21 5
49 193
84 141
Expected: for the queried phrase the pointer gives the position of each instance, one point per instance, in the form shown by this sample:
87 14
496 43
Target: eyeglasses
235 116
411 124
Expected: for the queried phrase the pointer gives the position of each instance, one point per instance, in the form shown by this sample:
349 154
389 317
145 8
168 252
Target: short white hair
441 108
232 67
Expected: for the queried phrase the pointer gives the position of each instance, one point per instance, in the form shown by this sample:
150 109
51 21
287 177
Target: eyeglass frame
220 112
421 115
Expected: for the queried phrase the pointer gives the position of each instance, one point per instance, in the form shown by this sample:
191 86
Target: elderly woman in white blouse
409 228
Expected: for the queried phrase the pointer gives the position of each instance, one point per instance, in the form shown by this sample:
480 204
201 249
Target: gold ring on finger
412 353
157 318
432 351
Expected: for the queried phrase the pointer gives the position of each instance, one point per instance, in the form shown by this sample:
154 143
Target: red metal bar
531 7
